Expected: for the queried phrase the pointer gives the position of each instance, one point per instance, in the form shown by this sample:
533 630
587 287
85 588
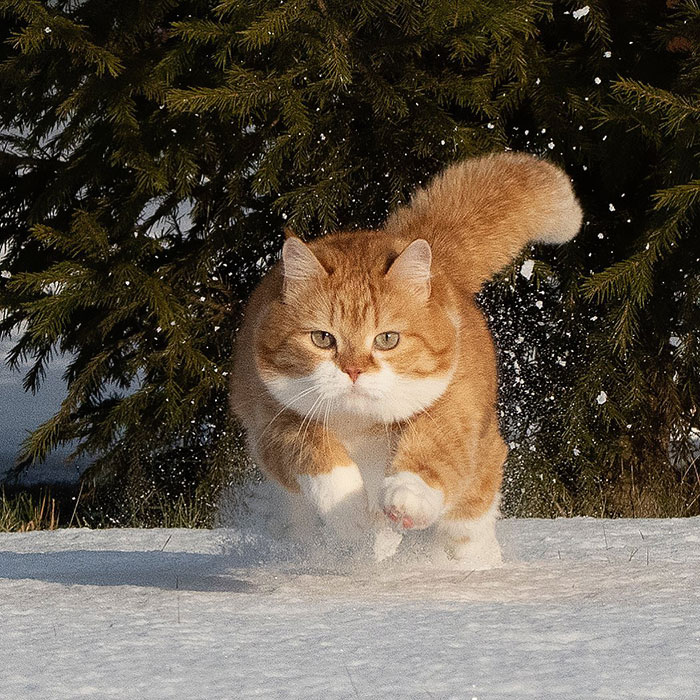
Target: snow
527 267
582 608
577 14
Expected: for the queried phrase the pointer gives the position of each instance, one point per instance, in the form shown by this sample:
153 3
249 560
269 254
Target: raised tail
478 214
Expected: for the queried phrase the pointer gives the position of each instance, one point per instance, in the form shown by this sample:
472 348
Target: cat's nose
353 373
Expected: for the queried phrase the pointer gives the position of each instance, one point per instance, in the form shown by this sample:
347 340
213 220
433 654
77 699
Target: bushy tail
477 215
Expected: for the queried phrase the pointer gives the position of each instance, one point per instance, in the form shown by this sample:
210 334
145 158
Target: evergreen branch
49 435
625 327
675 110
337 64
60 32
628 278
200 31
683 198
272 25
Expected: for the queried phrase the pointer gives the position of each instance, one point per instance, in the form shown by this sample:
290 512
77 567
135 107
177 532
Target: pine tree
153 153
110 240
622 436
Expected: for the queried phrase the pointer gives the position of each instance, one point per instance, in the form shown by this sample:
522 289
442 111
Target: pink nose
353 373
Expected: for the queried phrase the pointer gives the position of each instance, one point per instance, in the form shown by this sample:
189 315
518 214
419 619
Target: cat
365 375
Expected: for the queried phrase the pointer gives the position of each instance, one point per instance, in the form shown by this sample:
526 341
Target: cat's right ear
299 266
411 269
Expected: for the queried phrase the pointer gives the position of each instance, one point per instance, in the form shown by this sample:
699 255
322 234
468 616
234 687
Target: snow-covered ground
582 609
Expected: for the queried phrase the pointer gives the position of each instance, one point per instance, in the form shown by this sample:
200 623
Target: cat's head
354 330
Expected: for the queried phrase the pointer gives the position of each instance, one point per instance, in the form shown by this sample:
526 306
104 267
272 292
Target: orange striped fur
403 437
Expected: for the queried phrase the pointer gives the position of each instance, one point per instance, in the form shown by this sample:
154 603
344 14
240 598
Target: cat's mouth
358 391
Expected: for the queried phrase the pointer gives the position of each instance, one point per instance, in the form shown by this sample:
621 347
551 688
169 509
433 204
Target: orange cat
365 375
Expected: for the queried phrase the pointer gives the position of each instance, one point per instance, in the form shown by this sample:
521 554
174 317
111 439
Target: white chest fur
371 451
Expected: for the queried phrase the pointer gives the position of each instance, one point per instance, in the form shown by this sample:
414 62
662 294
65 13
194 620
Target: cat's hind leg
471 542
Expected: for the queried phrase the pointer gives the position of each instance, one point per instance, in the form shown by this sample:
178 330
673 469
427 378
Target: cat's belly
371 452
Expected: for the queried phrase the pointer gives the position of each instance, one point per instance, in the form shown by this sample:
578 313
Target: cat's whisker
409 422
326 432
298 397
389 435
320 422
305 425
316 410
305 417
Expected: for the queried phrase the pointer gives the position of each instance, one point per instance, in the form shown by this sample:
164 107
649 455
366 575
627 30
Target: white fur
408 494
339 498
386 542
384 396
372 453
327 490
564 220
482 550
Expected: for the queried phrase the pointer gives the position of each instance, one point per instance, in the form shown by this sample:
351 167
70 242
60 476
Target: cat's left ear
412 268
299 266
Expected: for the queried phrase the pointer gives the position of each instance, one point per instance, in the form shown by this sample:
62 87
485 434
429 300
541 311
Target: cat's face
351 339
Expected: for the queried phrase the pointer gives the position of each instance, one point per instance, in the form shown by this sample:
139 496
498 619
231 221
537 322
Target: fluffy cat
365 375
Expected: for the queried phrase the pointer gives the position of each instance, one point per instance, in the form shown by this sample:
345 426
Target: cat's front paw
410 503
340 499
350 519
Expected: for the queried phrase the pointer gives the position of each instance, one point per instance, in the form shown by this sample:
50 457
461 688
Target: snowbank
582 609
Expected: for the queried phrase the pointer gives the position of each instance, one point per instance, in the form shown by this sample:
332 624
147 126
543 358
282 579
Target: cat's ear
299 265
412 268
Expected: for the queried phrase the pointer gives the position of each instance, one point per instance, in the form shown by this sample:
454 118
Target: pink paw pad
409 503
404 521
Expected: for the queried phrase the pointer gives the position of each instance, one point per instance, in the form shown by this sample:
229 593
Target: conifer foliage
154 151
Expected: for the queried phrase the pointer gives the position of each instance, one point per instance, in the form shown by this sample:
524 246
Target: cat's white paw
409 502
340 499
386 542
472 544
477 555
350 519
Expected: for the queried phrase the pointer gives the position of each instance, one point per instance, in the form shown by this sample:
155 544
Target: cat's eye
386 341
322 339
